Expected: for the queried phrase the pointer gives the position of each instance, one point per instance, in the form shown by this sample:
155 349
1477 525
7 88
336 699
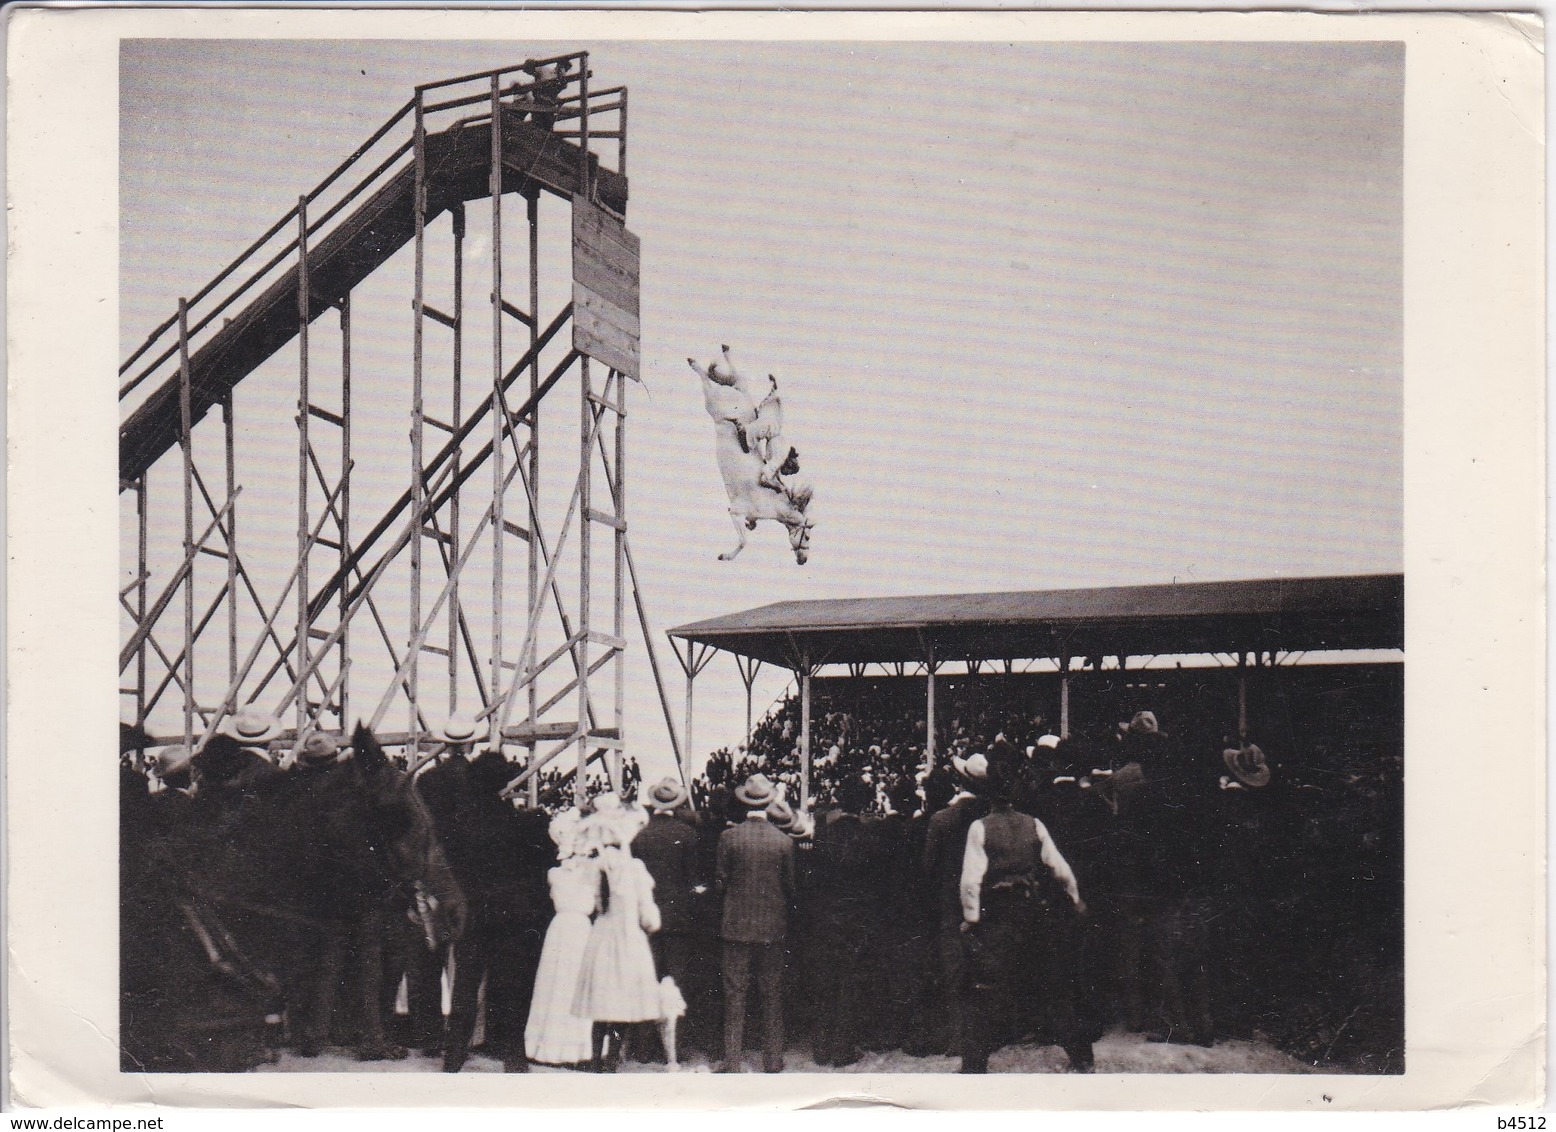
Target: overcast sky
1043 314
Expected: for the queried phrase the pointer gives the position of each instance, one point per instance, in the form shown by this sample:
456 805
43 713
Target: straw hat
461 731
756 792
780 814
975 767
253 728
665 795
1248 764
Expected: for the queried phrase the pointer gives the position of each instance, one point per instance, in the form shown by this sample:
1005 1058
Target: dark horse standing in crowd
231 908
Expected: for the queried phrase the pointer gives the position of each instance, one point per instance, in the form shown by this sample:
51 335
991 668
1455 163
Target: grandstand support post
805 673
1064 695
693 661
749 667
930 667
1242 697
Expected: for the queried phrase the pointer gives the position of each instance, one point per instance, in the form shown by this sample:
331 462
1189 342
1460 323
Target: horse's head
799 541
393 819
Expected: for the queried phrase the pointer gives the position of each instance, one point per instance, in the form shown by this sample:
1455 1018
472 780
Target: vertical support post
691 675
1064 696
805 734
621 137
456 418
1242 697
583 126
232 550
343 502
748 670
187 444
499 417
532 213
418 486
142 519
303 526
929 711
619 554
585 571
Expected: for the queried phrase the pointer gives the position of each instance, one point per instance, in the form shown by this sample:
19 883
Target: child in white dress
555 1035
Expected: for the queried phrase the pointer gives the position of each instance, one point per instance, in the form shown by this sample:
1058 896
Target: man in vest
944 848
1015 883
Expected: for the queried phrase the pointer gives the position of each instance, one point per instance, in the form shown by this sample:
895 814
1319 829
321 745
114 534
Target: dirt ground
1116 1053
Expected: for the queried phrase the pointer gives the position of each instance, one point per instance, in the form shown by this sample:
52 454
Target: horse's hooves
725 557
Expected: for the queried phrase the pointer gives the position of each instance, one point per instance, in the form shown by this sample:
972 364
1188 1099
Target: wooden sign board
605 289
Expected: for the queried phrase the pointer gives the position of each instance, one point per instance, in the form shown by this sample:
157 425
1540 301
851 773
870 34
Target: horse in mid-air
760 472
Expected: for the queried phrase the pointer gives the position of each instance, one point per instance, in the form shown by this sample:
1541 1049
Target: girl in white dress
617 984
555 1035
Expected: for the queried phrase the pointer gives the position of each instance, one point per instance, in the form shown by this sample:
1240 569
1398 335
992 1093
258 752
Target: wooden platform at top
458 170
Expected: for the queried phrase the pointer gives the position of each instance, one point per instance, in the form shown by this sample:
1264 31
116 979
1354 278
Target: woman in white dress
617 984
555 1035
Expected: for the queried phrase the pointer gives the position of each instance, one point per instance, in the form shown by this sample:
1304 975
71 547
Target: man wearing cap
943 849
668 847
755 875
1012 876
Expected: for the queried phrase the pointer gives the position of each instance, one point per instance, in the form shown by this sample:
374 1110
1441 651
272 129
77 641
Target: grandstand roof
1278 614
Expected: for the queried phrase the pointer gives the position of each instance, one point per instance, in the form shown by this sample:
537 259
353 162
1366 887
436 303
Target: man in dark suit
668 848
497 860
943 848
755 874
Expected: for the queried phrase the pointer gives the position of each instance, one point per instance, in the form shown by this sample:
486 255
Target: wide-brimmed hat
1248 764
665 795
780 814
974 768
1144 723
461 730
318 748
1049 741
756 792
171 760
253 728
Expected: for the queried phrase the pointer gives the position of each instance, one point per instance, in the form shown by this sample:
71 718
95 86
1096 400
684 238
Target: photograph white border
1474 553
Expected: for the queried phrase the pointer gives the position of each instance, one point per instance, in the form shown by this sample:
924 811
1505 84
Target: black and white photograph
737 556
